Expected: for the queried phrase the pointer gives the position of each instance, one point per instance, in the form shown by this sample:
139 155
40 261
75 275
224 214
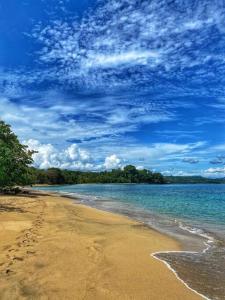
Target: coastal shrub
15 159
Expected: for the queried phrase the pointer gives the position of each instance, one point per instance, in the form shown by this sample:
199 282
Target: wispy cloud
215 171
190 160
220 159
75 119
158 36
132 81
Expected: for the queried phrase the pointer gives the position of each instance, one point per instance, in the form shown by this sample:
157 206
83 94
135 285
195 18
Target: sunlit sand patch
14 225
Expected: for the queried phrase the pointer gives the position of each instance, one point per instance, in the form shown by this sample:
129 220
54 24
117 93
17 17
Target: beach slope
51 248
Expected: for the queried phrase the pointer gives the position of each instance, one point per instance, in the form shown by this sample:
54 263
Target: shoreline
175 272
206 239
109 240
154 254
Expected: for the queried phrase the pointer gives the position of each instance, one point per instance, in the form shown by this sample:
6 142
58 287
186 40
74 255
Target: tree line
193 180
129 174
16 160
16 169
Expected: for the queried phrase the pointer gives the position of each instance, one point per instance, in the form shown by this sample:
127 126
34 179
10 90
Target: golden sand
51 248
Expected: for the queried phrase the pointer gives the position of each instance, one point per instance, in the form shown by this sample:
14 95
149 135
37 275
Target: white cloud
215 170
139 167
48 156
73 157
194 25
150 46
180 172
72 118
112 162
151 34
159 151
155 155
73 152
130 57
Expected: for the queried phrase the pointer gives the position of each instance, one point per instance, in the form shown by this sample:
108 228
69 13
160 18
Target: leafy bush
15 159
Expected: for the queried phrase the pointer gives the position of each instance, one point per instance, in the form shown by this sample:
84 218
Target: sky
95 85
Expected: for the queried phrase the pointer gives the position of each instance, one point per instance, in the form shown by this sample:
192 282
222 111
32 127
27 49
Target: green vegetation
14 159
192 179
127 175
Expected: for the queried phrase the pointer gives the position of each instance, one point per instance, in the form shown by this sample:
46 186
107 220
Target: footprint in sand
8 271
18 258
28 238
29 252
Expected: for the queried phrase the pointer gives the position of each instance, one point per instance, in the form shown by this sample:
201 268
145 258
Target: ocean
192 213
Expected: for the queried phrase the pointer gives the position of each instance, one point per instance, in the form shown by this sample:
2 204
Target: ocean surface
193 213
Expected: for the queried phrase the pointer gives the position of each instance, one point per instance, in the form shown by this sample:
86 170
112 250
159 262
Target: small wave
192 230
154 255
80 197
197 231
205 242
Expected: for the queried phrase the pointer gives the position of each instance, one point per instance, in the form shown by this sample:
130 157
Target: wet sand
51 248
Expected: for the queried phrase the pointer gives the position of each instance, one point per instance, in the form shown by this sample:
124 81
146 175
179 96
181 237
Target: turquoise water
194 213
196 202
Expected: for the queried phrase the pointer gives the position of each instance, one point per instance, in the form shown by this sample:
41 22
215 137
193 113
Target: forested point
128 174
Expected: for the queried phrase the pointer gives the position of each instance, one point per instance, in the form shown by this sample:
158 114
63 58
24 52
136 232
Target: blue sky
100 84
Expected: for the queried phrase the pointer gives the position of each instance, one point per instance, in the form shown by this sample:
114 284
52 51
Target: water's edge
207 240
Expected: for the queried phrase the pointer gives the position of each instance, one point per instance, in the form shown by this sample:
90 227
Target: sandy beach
51 248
